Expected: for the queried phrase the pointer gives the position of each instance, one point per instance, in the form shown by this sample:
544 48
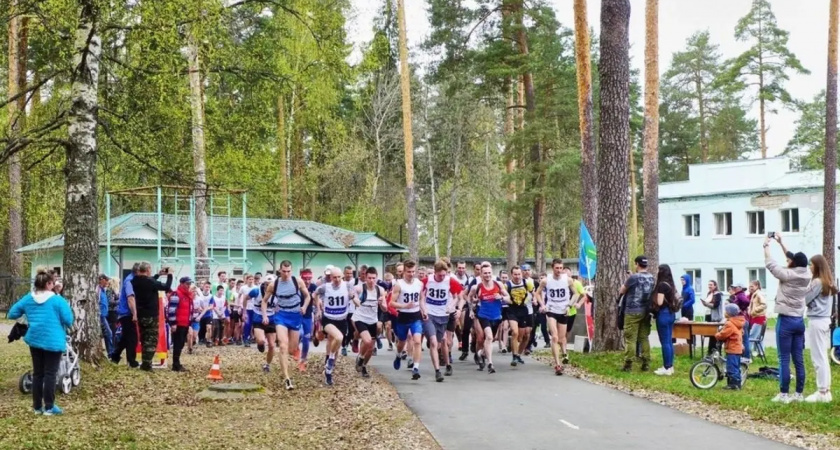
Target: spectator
183 313
636 291
58 287
687 297
48 315
146 291
219 306
741 299
195 317
713 301
113 292
102 290
818 301
127 312
757 311
732 336
790 326
206 317
665 306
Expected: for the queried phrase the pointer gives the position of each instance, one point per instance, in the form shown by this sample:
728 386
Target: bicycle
706 373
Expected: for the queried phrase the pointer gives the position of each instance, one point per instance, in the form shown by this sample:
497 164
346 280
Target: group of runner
287 314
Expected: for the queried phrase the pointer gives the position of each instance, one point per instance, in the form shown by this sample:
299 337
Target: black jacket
146 294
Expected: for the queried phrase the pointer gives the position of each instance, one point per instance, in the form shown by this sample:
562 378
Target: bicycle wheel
25 383
704 374
745 370
835 354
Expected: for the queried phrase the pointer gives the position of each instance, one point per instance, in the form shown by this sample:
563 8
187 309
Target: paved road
529 408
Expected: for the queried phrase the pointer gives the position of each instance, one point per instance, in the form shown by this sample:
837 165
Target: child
731 337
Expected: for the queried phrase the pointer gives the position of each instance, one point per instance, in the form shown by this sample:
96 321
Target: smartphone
771 235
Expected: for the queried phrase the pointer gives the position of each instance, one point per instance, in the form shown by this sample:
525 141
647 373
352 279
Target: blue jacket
126 291
47 320
103 302
687 292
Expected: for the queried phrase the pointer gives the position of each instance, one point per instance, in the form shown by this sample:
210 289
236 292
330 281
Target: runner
443 293
502 335
519 319
468 323
489 296
386 313
306 324
369 296
287 294
245 299
263 321
554 297
351 336
332 300
195 317
236 312
407 297
578 298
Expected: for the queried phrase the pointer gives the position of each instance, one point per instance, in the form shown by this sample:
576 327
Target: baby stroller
69 373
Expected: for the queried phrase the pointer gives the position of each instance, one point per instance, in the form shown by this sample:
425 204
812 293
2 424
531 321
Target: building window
696 279
724 278
238 271
755 222
723 224
759 274
57 272
692 225
790 220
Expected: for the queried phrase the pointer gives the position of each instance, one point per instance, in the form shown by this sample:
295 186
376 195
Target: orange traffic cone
215 370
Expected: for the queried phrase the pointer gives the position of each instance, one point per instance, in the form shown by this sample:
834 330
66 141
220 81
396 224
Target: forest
494 146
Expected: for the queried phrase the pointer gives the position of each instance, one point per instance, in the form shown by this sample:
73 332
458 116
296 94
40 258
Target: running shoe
448 371
415 374
481 363
491 369
374 351
450 358
359 364
476 358
330 364
247 344
520 360
38 411
504 350
261 347
527 351
390 347
328 378
266 368
296 354
565 358
189 351
355 346
558 370
302 366
463 356
379 343
289 385
513 361
403 355
365 373
54 411
409 362
343 351
397 362
315 340
438 376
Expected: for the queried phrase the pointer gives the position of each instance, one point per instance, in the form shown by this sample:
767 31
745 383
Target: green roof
140 230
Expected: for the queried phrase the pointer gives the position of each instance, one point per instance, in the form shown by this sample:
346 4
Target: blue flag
588 259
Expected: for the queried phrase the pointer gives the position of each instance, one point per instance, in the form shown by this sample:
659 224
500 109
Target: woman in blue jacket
48 315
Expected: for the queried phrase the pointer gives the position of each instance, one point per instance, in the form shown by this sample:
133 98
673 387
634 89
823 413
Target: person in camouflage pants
147 298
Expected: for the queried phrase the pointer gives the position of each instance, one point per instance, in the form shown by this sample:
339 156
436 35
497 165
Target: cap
185 280
732 310
525 267
641 260
739 285
102 276
269 278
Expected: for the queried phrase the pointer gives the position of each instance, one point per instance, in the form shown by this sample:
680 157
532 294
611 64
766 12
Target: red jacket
184 310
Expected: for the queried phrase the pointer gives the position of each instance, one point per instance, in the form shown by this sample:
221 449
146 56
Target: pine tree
650 168
830 186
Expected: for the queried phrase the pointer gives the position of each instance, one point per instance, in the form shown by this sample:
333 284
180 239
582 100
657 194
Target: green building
136 237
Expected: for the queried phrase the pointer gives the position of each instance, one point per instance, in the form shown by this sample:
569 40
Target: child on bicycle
730 335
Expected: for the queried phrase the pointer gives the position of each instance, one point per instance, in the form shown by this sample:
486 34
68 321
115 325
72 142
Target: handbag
622 306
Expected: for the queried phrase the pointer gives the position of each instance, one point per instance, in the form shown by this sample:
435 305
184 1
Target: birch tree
16 117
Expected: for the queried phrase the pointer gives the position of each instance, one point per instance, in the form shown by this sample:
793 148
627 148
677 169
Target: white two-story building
713 225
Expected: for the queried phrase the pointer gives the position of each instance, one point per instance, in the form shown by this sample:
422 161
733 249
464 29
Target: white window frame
696 278
726 218
787 214
237 271
760 224
757 273
725 281
692 221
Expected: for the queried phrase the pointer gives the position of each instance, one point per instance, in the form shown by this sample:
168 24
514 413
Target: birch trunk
290 131
829 190
512 242
81 218
435 213
405 84
613 201
453 194
650 165
284 157
17 114
202 269
588 172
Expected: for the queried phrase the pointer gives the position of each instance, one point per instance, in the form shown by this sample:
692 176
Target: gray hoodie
818 305
793 287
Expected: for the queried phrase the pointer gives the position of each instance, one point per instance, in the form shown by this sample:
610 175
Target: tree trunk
17 114
761 89
634 209
588 172
202 269
830 188
405 84
701 104
298 173
284 157
81 218
538 178
488 168
453 194
650 165
435 213
512 244
613 201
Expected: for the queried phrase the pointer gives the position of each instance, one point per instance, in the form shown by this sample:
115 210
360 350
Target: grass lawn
117 407
754 399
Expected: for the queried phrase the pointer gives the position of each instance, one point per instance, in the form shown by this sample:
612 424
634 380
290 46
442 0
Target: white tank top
410 293
336 301
369 308
438 296
351 285
557 295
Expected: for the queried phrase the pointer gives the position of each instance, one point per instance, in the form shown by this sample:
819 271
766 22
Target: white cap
269 278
